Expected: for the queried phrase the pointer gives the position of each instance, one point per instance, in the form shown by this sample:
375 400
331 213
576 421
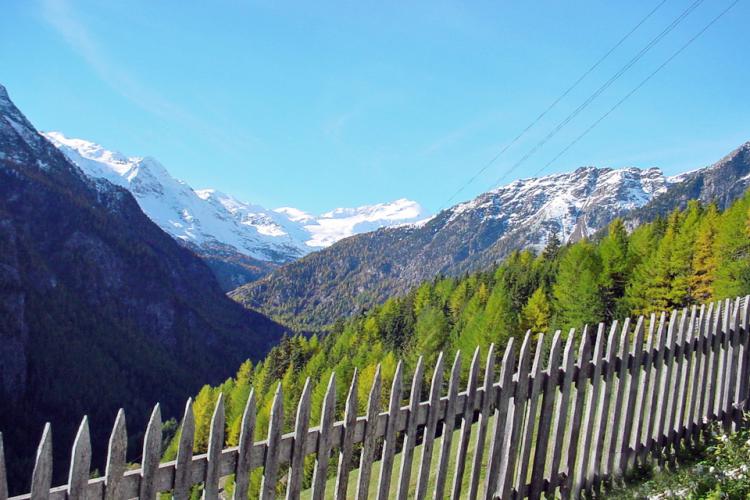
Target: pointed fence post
151 455
3 473
428 438
530 420
448 425
559 424
545 417
389 446
80 462
347 445
618 408
41 478
368 445
301 426
271 467
183 468
324 441
244 453
497 441
215 445
116 458
628 439
592 401
466 421
410 434
484 415
593 475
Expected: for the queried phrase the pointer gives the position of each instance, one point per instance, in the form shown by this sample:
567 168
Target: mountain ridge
361 271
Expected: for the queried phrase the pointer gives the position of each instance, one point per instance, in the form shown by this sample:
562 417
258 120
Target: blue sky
326 104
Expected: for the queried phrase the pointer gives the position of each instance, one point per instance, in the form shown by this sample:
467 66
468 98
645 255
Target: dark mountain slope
99 308
364 270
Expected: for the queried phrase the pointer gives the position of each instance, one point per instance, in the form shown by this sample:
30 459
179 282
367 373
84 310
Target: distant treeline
694 255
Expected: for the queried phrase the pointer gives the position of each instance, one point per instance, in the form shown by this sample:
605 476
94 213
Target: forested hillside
691 256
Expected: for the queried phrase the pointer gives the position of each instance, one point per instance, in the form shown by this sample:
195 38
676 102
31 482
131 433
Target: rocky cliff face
363 270
99 308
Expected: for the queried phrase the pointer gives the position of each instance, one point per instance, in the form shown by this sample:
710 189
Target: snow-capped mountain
363 270
217 223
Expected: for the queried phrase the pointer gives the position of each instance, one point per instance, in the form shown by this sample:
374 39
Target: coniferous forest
692 256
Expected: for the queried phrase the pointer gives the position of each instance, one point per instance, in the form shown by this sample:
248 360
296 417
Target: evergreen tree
576 293
733 251
616 269
536 314
704 264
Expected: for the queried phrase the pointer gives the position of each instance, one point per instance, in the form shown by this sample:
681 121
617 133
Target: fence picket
711 404
347 443
327 417
448 424
410 435
368 444
80 462
706 370
527 438
602 414
3 473
589 416
301 426
515 420
466 421
545 417
656 356
428 436
618 405
561 416
41 477
151 454
497 441
245 449
215 445
271 467
685 356
116 458
629 438
183 467
665 382
389 445
696 376
584 356
732 362
742 393
484 414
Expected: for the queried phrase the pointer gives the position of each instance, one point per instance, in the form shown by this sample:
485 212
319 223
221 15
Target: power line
637 87
555 102
602 88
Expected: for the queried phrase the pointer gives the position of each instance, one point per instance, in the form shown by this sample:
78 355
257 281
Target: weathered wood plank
347 443
275 429
618 406
428 437
515 421
704 370
466 425
657 355
733 361
596 466
448 424
549 390
742 394
368 442
301 427
696 376
527 437
629 438
683 388
3 472
726 357
584 356
679 387
325 441
715 366
151 455
559 424
481 426
497 441
116 458
80 462
665 374
245 449
183 479
410 434
215 445
389 445
589 416
41 477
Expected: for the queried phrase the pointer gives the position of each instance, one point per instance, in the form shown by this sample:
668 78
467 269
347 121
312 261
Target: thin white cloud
62 17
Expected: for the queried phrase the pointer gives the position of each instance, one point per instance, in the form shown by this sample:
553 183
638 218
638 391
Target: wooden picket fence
572 427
